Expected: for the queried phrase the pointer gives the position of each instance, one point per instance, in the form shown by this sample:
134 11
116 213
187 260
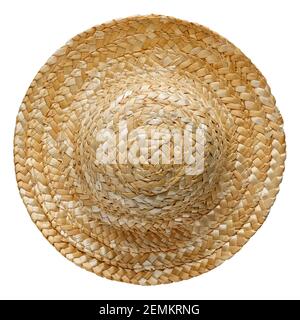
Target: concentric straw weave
148 224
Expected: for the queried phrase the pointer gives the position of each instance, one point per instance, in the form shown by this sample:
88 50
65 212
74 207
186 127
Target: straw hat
148 223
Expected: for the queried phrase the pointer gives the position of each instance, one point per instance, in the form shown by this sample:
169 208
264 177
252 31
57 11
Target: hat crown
152 151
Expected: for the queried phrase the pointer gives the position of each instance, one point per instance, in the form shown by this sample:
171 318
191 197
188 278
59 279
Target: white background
268 32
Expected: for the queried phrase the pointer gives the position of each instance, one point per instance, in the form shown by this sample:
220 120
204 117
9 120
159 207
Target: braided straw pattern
148 224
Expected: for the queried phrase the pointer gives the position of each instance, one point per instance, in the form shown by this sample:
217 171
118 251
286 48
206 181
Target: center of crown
155 154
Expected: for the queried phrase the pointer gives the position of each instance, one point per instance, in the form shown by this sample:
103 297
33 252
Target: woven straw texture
148 224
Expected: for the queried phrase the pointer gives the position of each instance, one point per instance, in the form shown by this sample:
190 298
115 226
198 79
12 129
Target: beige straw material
148 224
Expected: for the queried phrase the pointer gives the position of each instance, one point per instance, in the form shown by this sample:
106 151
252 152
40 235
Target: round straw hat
142 221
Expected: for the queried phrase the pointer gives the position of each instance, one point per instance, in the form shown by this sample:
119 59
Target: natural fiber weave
148 224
